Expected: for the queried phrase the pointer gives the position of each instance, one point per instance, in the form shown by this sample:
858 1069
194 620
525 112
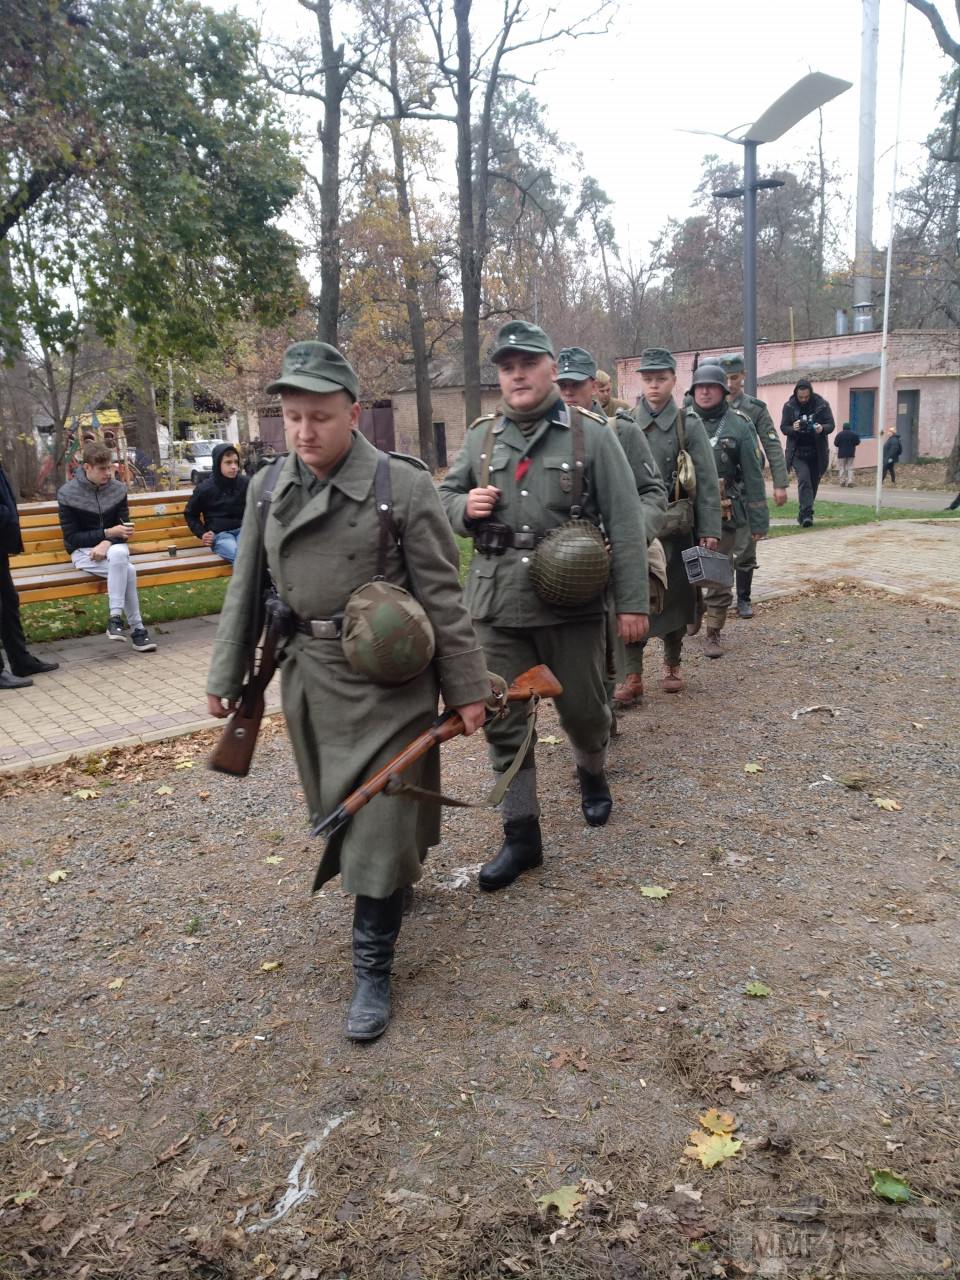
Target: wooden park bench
45 572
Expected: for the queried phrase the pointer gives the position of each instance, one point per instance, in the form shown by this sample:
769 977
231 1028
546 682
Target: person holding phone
96 525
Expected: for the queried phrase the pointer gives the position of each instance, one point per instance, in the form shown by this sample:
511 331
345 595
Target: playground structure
105 427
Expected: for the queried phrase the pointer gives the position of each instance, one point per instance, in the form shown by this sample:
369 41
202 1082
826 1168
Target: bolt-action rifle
538 682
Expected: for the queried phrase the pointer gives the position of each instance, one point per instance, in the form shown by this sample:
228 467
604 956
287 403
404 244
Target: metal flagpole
882 409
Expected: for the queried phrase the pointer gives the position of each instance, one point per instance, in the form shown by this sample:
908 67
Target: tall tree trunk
411 280
334 85
145 416
470 256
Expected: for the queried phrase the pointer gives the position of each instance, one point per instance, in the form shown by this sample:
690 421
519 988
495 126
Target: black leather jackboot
376 923
522 850
595 799
744 587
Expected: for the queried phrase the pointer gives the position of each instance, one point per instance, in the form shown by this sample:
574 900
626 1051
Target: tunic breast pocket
557 483
481 587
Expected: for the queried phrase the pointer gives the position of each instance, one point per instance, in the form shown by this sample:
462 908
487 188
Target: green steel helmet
386 636
709 374
571 565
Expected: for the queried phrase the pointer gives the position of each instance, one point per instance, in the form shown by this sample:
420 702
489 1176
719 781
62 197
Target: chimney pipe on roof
840 322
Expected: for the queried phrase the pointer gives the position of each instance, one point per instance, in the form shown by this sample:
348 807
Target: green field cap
732 363
656 358
575 365
520 335
317 367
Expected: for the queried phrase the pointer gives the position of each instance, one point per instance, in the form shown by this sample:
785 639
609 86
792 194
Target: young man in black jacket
215 509
847 442
23 664
892 449
806 421
96 525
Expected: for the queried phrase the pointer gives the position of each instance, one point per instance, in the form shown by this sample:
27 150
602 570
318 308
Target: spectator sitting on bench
96 525
215 508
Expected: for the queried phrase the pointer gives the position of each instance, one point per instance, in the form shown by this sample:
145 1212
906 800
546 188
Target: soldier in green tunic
511 488
769 437
672 432
321 541
577 381
577 384
736 451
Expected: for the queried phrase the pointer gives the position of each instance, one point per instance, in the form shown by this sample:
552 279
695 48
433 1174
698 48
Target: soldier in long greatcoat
321 538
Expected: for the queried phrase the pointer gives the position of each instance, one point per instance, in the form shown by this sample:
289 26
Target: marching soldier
682 452
324 522
609 404
745 551
578 383
736 452
531 486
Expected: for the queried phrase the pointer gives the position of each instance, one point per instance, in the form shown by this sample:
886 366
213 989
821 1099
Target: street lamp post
809 93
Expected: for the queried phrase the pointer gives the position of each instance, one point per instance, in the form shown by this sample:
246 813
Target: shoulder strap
681 444
579 452
383 498
484 478
266 494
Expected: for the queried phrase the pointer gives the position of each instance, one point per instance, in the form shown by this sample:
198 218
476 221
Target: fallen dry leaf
115 984
715 1121
654 891
56 876
188 1180
164 791
564 1200
759 990
884 802
712 1148
174 1149
273 860
269 966
753 768
85 793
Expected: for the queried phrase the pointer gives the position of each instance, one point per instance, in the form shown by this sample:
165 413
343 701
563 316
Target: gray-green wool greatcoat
321 544
680 606
650 486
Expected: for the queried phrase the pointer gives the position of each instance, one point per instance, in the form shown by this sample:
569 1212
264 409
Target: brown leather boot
672 681
630 693
712 647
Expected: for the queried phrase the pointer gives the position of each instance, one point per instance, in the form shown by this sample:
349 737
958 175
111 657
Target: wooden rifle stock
538 682
234 752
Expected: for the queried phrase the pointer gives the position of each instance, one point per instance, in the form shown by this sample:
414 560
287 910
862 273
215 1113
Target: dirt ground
174 1069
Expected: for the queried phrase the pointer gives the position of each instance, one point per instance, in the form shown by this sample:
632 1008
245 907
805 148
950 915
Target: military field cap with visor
575 365
730 363
656 358
316 367
520 335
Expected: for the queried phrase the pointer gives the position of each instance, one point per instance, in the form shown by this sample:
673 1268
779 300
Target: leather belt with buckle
320 628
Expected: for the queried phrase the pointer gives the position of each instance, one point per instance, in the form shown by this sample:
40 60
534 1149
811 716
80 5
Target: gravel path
174 1072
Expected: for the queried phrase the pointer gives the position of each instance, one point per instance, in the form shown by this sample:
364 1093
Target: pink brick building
923 383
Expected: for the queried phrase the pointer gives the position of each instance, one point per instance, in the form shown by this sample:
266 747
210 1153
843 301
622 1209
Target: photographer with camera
806 421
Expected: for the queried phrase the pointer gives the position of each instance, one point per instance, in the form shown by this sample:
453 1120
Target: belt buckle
324 628
525 540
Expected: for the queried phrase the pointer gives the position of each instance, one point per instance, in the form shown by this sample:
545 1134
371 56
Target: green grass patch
836 515
86 615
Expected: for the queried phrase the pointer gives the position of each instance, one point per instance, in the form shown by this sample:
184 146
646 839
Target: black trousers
11 630
807 471
888 470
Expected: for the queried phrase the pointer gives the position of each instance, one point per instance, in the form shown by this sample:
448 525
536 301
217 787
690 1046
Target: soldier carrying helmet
531 486
333 521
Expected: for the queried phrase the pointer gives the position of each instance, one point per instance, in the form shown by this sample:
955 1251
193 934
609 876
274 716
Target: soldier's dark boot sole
596 803
522 850
744 609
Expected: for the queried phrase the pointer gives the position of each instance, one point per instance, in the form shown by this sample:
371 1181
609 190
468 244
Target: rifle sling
396 787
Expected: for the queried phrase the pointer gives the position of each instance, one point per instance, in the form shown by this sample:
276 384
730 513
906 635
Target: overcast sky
624 98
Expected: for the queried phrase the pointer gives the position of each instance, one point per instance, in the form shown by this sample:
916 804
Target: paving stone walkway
106 695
